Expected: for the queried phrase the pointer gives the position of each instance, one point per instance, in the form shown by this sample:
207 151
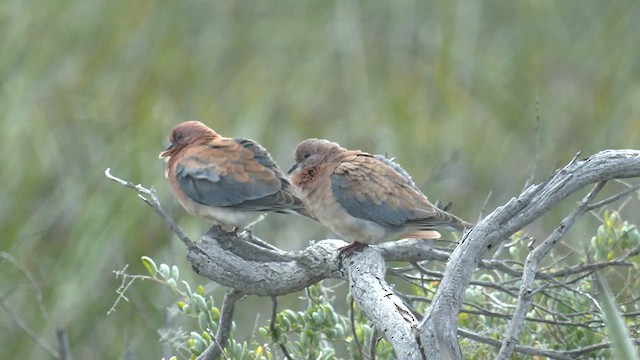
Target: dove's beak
166 152
293 169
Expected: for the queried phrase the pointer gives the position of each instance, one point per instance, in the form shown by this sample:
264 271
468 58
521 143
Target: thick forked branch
234 262
245 263
439 327
228 260
377 300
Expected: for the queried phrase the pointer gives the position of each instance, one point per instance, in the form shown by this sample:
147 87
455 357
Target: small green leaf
216 314
197 337
197 343
290 314
202 321
285 323
172 284
206 337
186 285
175 273
317 318
199 301
150 265
329 314
164 271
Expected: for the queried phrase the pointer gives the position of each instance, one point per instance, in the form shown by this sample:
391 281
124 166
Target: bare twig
224 328
534 351
272 327
484 204
373 343
536 151
532 265
352 318
439 326
150 197
122 289
7 256
128 280
575 353
528 350
613 198
27 330
63 343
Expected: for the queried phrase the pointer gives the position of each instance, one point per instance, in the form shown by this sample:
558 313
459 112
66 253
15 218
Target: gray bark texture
252 267
439 327
240 262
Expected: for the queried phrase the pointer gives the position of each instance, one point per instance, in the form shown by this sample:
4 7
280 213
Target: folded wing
235 173
371 189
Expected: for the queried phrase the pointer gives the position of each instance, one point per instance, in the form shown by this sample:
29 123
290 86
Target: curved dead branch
244 263
440 326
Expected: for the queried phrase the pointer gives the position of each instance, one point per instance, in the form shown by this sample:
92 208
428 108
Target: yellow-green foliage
448 88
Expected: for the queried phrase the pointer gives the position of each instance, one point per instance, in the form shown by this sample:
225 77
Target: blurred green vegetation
452 89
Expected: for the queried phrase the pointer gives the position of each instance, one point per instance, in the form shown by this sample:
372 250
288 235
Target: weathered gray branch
229 260
243 263
440 325
214 351
366 270
531 268
535 257
150 197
